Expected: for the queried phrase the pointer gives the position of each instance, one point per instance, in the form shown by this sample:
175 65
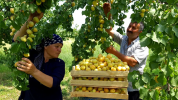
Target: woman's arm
22 31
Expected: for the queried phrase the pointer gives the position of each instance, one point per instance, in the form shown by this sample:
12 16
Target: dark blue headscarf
53 40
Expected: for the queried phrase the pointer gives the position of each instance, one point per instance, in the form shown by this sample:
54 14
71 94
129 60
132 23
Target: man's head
134 29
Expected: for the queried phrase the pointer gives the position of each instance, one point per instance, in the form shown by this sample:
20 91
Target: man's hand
107 8
110 49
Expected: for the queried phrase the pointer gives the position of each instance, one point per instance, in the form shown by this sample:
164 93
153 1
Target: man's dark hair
141 26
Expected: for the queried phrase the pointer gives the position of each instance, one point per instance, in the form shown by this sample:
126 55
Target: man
130 49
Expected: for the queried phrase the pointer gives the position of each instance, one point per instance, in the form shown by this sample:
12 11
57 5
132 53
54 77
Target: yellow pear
29 38
36 20
23 39
38 11
38 3
35 30
73 4
31 24
93 8
26 55
13 29
29 31
16 64
31 35
12 10
42 0
11 33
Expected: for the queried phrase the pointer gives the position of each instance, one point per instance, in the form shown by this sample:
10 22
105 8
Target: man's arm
131 61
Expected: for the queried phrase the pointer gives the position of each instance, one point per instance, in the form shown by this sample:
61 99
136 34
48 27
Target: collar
134 41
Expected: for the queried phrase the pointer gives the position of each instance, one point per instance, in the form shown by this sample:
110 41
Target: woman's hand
35 15
27 66
107 8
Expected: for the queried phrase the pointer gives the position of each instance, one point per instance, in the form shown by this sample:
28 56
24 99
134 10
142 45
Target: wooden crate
102 84
99 95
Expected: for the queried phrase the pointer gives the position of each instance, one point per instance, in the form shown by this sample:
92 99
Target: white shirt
133 50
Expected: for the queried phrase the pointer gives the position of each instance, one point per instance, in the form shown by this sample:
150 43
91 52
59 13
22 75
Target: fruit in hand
12 10
16 64
29 31
36 20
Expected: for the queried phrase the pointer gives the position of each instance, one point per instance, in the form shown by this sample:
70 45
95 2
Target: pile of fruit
102 63
100 90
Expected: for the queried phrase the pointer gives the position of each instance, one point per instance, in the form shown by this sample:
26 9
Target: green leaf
113 11
156 95
170 19
174 81
172 92
153 65
139 84
156 71
170 1
173 12
175 30
160 28
168 30
145 41
143 92
152 11
176 95
171 55
2 24
162 79
1 17
146 77
15 47
152 93
154 37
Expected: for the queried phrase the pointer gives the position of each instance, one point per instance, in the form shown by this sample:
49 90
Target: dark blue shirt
54 68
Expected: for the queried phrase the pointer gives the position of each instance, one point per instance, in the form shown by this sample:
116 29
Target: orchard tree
160 34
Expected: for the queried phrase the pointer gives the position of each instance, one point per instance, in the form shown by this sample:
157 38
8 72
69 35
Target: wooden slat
99 95
99 73
104 84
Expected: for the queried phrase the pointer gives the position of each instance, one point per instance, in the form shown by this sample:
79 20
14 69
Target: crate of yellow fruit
100 72
99 92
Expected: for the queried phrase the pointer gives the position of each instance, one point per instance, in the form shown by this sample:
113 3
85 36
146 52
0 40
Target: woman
45 69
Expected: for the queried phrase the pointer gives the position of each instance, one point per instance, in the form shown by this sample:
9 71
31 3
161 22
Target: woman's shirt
54 68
